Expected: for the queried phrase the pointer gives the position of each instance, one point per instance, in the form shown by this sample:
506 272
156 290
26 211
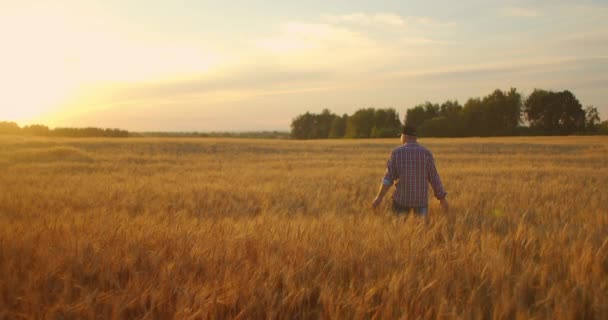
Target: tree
502 111
9 128
450 109
36 130
312 126
603 128
386 123
360 124
323 124
592 118
554 112
301 126
475 117
420 113
338 127
436 127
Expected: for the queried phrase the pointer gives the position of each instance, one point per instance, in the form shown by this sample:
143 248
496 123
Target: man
413 167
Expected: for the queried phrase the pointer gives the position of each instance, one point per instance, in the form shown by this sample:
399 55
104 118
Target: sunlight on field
221 228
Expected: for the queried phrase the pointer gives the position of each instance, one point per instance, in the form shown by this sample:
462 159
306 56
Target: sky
255 65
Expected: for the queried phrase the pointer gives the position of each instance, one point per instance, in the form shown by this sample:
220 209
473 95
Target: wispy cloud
366 19
520 12
303 37
425 41
428 22
385 20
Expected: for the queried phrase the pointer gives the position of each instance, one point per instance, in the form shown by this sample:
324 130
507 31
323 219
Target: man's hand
376 202
445 205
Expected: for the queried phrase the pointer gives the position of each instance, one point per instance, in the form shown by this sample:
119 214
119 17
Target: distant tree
360 124
554 112
431 110
9 128
436 127
312 126
95 132
323 124
415 116
36 130
592 119
420 113
476 118
502 112
386 123
302 125
603 128
450 109
338 127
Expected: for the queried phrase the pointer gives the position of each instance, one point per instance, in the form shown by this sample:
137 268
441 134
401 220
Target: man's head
408 133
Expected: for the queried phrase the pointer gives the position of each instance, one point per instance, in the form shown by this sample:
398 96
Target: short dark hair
409 131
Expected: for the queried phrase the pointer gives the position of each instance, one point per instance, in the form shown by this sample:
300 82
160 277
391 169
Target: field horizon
207 228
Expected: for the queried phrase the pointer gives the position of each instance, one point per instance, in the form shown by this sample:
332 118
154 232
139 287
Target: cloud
324 46
545 64
385 20
520 12
425 41
365 19
301 37
428 22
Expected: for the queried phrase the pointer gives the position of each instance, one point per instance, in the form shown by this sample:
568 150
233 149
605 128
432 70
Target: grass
226 228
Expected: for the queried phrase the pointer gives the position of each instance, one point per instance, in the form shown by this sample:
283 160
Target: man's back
413 167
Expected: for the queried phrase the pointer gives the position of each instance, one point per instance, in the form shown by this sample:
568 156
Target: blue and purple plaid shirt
413 167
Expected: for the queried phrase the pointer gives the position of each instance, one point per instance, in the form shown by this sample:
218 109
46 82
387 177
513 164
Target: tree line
11 128
214 134
500 113
365 123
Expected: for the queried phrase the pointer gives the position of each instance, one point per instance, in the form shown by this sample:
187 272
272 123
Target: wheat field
152 228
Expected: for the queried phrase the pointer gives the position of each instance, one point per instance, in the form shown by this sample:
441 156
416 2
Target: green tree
302 125
592 119
323 124
420 113
386 123
603 127
360 124
436 127
338 127
450 109
502 111
554 112
475 117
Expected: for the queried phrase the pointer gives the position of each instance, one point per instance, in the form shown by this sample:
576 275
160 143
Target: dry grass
248 229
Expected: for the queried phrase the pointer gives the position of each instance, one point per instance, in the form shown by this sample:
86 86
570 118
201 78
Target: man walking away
413 167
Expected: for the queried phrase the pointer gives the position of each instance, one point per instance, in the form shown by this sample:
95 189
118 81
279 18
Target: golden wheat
247 229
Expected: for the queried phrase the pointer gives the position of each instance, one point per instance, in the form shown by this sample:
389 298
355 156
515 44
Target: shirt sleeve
435 180
391 172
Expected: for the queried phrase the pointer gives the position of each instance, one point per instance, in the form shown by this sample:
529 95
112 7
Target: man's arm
387 182
435 181
381 193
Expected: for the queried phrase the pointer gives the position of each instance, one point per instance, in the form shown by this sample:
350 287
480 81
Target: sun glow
52 57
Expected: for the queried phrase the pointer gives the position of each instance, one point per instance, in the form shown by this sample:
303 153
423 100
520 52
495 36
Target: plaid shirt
413 166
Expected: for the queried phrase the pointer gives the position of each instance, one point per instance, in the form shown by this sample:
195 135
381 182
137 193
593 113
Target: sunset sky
255 65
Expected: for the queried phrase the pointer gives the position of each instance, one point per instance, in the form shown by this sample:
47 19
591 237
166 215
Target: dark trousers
399 209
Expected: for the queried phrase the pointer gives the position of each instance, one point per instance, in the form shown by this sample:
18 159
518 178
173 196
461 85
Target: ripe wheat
247 229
